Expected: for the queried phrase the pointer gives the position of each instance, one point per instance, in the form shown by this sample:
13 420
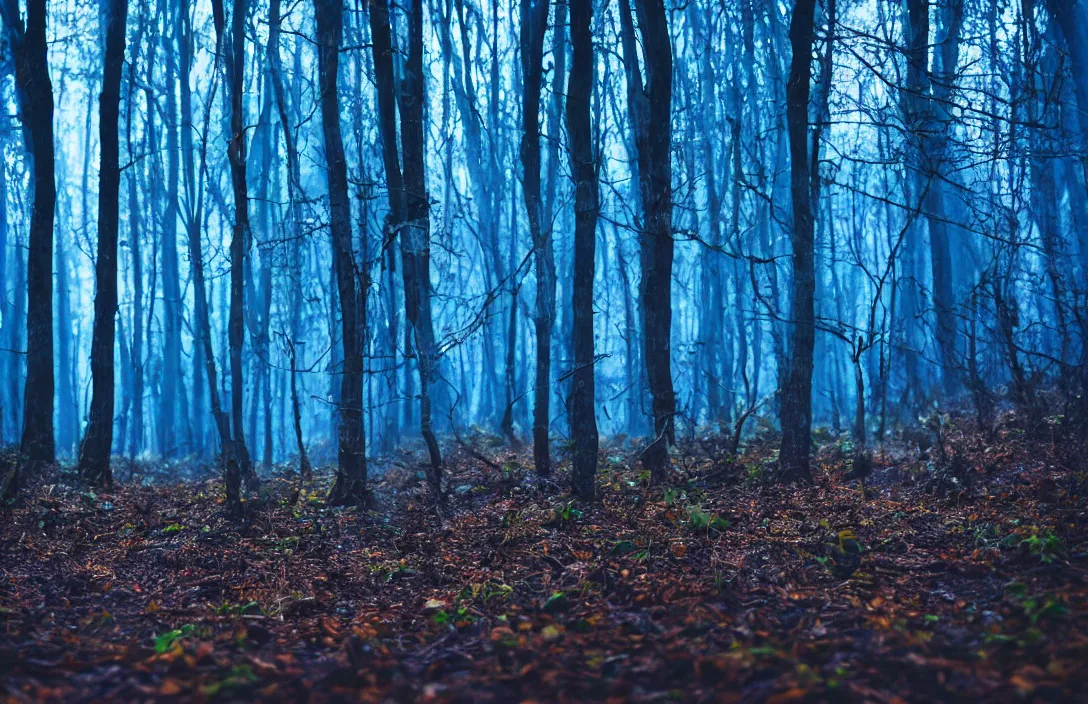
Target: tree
1070 17
34 93
232 48
173 386
583 164
796 388
230 459
534 23
409 217
650 113
350 487
925 105
415 240
94 453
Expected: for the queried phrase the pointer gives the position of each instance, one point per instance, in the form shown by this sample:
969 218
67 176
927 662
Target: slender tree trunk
233 48
583 421
409 217
68 417
172 378
714 347
650 112
1072 22
34 93
305 471
796 390
135 367
415 241
534 24
94 455
203 331
350 487
5 312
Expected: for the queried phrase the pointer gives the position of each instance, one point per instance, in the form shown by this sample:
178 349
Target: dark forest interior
544 350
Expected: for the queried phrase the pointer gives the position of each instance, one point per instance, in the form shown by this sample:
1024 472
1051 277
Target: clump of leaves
566 513
557 602
702 521
164 641
458 617
758 473
240 676
1036 607
485 592
229 609
1041 543
844 555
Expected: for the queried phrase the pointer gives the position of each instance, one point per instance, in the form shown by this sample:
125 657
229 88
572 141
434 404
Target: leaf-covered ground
718 587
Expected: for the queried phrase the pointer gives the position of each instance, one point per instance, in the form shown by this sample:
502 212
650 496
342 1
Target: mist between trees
264 232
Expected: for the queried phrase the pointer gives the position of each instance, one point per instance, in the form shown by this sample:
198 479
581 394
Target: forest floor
961 575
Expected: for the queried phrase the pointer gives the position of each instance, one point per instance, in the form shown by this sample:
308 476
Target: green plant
165 641
701 521
460 615
485 592
229 609
568 513
1042 543
240 676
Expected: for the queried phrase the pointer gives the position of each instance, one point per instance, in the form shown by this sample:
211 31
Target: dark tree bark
203 333
796 401
234 53
172 378
294 230
1070 17
650 110
94 454
134 370
926 112
583 420
408 203
34 93
534 24
5 313
350 487
415 241
486 190
716 354
68 416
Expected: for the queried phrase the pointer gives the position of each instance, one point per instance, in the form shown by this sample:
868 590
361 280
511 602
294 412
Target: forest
544 350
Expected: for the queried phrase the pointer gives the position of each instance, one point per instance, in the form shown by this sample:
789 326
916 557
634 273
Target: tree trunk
5 313
796 401
583 421
68 417
203 331
234 53
172 378
651 119
408 205
351 477
415 241
135 368
34 93
534 24
94 455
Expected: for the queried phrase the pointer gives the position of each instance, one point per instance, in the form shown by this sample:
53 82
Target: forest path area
721 589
